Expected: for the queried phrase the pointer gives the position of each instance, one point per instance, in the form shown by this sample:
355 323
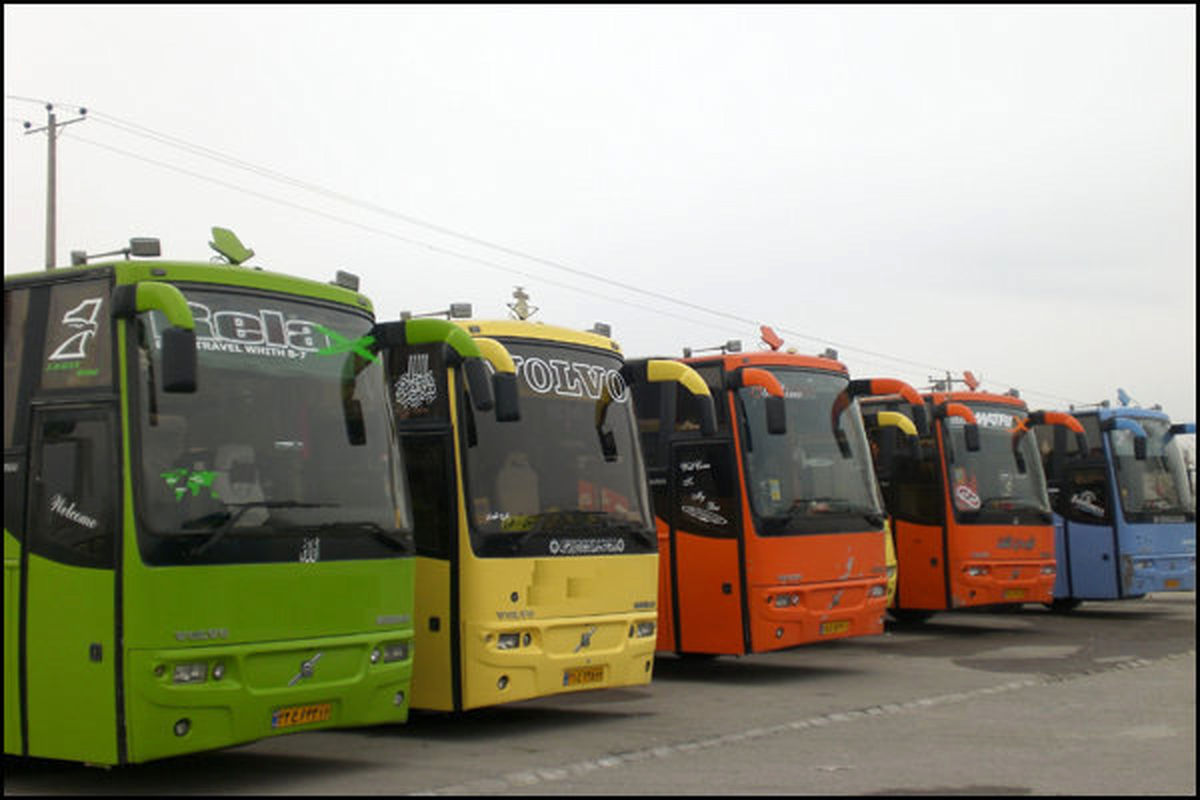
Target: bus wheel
1063 605
909 616
696 657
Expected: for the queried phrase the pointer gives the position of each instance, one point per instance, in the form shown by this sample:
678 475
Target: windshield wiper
364 526
803 507
226 519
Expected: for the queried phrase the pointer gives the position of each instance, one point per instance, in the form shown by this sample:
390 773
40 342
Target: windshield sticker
585 547
181 481
995 419
340 344
416 388
310 550
1088 503
570 378
81 318
965 497
58 504
708 514
264 333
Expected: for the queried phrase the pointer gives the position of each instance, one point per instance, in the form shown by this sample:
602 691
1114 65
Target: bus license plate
581 676
291 716
1014 594
837 626
1172 583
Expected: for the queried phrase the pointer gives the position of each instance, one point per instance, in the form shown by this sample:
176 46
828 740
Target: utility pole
51 129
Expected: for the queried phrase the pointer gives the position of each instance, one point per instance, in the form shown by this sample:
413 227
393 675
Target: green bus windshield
284 452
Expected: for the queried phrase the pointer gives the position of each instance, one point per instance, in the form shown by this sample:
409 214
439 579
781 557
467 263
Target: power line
206 152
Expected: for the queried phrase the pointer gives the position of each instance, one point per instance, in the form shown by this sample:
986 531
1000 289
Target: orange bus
771 531
967 501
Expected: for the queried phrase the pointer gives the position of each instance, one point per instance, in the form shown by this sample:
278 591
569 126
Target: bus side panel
919 569
71 691
666 600
433 669
709 593
12 617
1093 561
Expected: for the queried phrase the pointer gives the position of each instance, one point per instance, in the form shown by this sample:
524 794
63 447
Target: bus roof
769 358
197 272
974 397
528 329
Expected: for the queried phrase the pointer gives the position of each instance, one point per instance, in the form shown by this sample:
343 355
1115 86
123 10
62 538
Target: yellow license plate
1172 583
291 716
580 676
836 626
1014 594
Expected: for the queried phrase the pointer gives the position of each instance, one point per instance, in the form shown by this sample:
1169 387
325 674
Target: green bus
194 556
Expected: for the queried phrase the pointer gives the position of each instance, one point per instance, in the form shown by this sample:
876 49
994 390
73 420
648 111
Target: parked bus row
237 505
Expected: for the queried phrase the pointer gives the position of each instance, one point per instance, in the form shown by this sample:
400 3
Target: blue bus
1124 511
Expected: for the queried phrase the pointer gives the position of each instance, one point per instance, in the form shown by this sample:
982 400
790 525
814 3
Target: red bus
968 502
771 532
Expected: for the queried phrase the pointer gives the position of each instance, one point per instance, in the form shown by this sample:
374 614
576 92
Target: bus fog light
508 641
396 651
779 633
190 673
502 683
645 628
794 599
399 698
183 726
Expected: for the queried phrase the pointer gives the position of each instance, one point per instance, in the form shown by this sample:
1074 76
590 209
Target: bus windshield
284 452
567 478
1155 489
801 481
1002 482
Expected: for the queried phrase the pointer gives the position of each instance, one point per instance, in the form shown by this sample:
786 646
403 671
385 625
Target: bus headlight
977 570
645 629
508 641
877 591
1048 569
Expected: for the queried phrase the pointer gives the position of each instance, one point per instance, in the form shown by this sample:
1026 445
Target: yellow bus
537 563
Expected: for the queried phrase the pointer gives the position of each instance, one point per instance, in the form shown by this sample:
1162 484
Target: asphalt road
1098 702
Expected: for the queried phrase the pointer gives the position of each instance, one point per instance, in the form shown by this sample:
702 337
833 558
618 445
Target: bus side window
705 490
73 503
1084 495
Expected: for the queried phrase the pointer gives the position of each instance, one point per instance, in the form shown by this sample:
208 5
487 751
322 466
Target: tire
910 616
1063 605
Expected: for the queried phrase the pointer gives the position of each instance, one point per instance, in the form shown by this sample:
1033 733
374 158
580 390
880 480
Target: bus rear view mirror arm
178 339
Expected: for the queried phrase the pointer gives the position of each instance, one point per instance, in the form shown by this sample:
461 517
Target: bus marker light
190 673
508 641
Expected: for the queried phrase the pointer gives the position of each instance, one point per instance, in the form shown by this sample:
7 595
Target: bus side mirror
776 415
971 435
356 430
178 360
504 386
479 381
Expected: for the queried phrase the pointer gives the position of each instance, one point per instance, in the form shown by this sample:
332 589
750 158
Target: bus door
706 548
1089 537
70 643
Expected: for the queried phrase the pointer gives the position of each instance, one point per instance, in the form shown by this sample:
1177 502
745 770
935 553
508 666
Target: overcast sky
1003 189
